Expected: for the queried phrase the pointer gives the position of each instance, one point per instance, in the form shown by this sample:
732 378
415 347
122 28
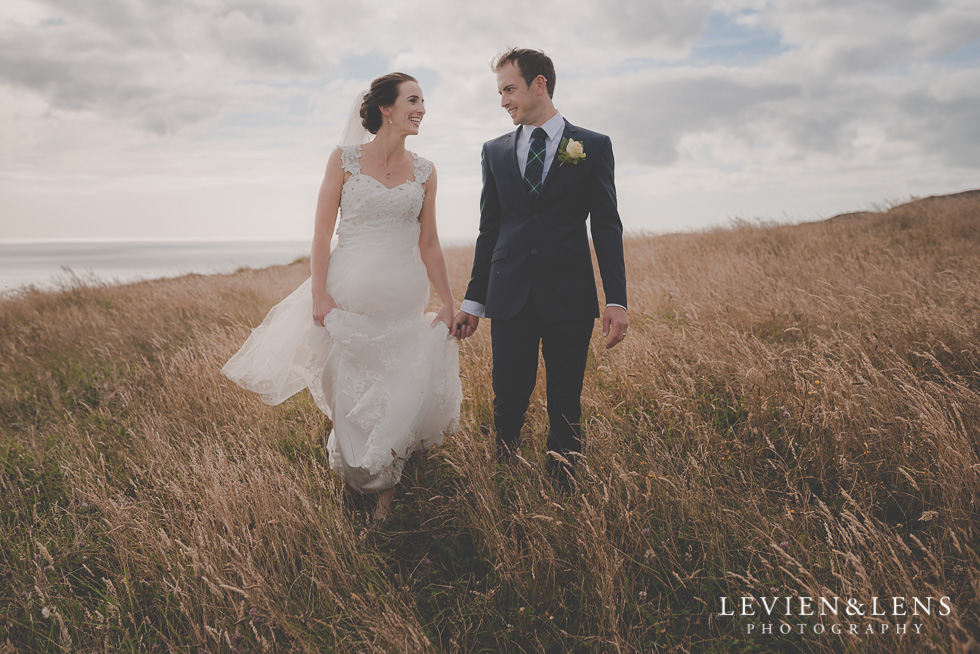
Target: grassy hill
795 413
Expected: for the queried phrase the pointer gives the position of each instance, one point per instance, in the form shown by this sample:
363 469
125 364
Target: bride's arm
432 257
327 204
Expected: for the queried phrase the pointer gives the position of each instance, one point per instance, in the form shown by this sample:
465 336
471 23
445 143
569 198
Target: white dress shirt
555 127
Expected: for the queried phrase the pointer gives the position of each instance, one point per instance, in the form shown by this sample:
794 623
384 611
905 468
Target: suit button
534 251
536 216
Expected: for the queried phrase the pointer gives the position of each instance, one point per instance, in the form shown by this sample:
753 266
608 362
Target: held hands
464 325
614 325
323 304
445 316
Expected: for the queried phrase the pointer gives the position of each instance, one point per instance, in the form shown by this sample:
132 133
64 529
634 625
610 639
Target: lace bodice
368 208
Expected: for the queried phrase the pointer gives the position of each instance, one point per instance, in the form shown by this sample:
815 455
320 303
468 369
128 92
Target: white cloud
846 37
148 118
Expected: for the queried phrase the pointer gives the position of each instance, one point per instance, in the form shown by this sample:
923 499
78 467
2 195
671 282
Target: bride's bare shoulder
336 172
343 160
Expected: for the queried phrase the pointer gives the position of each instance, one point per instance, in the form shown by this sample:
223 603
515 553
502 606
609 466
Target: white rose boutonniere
570 151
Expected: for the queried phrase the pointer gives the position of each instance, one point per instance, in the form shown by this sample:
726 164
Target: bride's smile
405 115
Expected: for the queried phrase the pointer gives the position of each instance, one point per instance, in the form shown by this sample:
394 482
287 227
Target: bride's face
407 112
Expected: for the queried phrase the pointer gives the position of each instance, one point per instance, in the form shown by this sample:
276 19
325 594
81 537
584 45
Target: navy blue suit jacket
540 249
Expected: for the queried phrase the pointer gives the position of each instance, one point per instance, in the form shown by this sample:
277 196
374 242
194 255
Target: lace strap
350 158
423 168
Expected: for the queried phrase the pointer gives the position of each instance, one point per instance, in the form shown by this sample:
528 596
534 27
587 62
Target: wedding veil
354 132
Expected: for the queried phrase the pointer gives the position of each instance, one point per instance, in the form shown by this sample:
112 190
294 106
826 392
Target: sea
49 265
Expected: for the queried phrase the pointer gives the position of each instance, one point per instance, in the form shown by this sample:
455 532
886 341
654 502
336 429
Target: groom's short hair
531 63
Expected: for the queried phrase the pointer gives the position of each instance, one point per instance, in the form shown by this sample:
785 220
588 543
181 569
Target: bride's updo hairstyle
383 93
531 63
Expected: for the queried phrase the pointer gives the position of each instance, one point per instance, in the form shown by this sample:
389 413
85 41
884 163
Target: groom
532 270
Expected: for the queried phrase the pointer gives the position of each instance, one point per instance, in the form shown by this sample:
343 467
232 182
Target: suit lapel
513 152
570 131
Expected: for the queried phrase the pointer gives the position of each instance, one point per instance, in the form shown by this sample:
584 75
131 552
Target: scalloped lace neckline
382 184
415 171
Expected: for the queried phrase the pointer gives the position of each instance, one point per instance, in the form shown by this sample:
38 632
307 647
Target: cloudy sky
213 119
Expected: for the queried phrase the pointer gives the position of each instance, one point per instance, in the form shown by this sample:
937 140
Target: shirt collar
554 127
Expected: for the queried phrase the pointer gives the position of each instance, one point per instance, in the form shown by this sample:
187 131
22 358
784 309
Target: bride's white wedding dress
387 379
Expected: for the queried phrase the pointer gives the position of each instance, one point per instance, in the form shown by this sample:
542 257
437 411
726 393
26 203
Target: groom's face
516 97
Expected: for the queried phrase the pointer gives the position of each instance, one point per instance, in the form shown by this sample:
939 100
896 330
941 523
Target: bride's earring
389 122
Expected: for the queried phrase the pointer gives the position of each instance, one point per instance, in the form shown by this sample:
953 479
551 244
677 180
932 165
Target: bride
354 333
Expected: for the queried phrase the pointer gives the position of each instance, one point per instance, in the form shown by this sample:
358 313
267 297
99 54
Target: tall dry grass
794 413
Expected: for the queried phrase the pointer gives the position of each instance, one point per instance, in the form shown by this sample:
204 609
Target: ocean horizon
53 264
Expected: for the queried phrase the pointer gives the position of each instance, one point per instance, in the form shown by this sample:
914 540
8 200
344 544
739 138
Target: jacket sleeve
607 228
487 240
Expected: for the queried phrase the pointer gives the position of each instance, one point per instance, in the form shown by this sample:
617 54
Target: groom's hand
464 324
614 325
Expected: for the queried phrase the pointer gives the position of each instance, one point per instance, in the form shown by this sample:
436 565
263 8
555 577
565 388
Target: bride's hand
322 305
445 316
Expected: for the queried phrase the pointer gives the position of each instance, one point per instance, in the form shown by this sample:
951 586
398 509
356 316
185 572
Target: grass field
795 413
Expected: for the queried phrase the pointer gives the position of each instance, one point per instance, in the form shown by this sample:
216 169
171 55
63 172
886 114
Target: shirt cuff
473 308
612 304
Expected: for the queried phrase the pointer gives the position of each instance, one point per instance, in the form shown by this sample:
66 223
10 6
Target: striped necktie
535 163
